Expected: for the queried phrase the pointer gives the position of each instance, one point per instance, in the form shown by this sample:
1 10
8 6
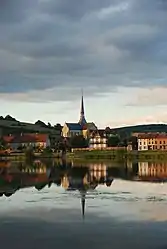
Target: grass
118 155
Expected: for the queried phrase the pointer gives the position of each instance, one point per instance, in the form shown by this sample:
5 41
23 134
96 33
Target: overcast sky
115 50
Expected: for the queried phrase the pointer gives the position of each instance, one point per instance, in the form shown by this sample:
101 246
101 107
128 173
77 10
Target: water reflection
75 176
115 192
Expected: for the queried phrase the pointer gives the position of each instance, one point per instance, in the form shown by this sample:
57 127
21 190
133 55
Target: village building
152 141
27 140
98 140
81 128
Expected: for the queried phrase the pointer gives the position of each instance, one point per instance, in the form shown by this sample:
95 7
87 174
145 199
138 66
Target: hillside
11 125
128 130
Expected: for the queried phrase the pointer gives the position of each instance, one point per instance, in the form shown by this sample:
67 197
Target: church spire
82 120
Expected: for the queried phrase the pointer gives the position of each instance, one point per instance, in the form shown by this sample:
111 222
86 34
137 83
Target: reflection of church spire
83 197
82 120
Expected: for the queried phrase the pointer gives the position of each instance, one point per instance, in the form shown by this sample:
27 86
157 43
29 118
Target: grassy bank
118 155
19 156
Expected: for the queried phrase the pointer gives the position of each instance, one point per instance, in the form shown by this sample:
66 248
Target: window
160 142
164 142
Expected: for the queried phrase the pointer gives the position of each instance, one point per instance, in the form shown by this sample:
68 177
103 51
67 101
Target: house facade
98 140
152 141
27 140
71 129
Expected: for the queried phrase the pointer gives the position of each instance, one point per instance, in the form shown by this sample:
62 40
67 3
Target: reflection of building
152 171
98 171
4 164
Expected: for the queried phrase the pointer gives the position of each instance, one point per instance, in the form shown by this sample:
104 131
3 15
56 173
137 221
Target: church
97 138
82 127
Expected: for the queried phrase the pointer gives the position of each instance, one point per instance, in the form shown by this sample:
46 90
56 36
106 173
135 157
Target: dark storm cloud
73 9
15 11
47 44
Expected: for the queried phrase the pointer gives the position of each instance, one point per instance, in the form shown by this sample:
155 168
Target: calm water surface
83 205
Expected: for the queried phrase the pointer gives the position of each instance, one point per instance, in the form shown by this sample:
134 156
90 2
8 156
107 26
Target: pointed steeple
82 120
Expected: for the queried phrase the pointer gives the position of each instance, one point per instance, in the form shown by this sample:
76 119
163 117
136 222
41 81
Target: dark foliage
113 141
78 142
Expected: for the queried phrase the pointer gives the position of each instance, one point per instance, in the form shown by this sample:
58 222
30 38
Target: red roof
152 136
26 138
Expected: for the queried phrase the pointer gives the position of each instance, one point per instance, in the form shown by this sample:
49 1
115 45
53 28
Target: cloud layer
54 45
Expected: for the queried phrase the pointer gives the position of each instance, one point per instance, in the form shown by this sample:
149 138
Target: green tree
49 125
3 145
113 141
78 142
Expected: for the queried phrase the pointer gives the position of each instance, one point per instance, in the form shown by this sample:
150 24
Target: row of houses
152 141
98 138
27 140
148 141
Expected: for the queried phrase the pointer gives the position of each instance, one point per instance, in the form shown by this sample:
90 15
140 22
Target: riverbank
19 156
118 155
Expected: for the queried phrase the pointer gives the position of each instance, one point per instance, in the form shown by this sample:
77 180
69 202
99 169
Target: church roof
74 126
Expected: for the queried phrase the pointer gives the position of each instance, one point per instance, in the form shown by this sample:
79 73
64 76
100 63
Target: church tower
82 120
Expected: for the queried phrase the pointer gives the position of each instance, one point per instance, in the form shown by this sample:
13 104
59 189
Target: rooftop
74 126
26 138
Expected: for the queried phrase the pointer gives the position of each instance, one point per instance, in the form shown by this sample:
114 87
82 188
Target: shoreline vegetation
117 155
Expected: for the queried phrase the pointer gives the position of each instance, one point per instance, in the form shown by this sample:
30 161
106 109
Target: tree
49 125
40 123
2 143
9 118
78 142
58 127
113 141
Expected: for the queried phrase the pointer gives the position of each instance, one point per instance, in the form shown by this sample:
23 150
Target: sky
115 50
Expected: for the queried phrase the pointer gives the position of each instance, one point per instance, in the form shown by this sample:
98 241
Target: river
103 204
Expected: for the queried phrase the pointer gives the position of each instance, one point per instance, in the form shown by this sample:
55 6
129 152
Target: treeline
127 131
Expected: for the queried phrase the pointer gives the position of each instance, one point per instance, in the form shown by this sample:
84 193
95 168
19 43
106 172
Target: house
152 141
132 144
88 128
98 140
27 140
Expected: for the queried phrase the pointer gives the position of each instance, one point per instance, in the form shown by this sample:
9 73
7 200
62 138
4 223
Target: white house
143 143
98 140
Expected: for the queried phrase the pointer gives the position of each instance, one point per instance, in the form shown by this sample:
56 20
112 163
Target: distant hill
128 130
9 125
